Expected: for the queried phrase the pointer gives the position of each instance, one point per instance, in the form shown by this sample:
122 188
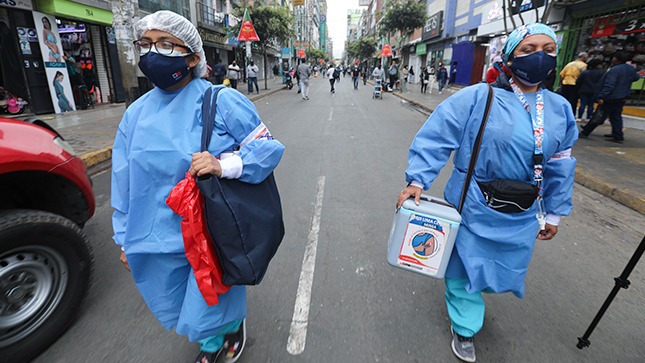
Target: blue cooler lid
433 206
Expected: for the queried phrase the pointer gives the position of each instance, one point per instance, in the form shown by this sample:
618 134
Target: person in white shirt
252 75
233 74
332 79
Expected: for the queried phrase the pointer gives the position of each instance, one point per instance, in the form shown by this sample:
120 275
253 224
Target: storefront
216 47
22 70
602 32
89 44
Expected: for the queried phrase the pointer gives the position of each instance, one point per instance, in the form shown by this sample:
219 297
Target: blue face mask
163 70
533 68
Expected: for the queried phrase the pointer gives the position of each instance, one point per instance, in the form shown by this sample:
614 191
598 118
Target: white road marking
298 331
331 113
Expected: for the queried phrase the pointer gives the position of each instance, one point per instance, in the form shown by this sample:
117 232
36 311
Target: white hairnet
178 26
497 59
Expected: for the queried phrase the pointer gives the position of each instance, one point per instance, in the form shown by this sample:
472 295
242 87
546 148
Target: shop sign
301 44
76 10
602 28
17 4
421 48
286 53
432 28
210 37
298 2
51 49
492 11
520 6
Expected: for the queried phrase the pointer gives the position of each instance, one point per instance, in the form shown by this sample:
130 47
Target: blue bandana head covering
522 32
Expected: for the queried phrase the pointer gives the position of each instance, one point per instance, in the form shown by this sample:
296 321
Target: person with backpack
332 74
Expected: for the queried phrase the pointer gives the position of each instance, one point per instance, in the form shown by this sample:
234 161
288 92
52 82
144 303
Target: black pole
621 282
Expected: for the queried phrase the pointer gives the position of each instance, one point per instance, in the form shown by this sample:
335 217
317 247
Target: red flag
301 53
387 51
247 31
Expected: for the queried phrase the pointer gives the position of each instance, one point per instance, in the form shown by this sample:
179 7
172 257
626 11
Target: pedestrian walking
305 72
356 73
494 246
614 87
431 78
233 73
332 75
569 75
494 70
586 85
393 73
252 76
425 80
453 73
276 71
405 73
365 72
219 71
442 77
411 76
337 74
145 170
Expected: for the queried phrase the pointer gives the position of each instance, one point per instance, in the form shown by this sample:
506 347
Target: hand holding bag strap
209 110
476 146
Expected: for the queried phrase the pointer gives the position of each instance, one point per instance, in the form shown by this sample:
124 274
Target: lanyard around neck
538 127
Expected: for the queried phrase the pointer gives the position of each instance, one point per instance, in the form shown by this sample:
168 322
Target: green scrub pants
466 310
214 343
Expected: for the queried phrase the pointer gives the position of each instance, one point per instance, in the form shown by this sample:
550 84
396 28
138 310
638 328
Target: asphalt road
342 170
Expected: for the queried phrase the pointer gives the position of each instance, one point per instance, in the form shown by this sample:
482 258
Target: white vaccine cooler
422 236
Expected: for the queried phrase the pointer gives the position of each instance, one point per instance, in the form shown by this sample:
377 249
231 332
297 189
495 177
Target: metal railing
209 17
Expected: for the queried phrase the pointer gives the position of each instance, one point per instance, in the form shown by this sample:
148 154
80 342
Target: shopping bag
244 220
185 200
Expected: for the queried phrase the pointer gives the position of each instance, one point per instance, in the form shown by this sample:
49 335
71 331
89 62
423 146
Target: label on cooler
423 244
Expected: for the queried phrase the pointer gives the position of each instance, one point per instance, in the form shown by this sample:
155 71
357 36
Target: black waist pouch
508 196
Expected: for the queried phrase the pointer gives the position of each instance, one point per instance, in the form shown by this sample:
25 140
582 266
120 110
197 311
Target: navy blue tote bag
244 220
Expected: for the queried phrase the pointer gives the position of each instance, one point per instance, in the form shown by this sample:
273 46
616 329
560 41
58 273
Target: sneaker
464 348
307 98
234 344
206 357
610 136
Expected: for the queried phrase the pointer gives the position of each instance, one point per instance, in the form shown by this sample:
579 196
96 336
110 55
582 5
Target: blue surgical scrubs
152 152
493 249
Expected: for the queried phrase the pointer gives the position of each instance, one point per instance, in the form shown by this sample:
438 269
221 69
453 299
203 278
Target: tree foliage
403 16
362 48
315 55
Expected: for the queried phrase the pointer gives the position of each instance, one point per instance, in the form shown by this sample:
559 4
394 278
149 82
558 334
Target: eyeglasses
162 46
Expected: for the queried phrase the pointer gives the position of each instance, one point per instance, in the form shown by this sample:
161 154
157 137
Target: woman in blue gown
493 249
157 142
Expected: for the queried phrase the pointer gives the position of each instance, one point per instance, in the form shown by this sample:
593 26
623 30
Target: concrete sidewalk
614 170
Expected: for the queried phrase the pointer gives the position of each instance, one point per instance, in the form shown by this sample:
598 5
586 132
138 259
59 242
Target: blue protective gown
493 249
152 151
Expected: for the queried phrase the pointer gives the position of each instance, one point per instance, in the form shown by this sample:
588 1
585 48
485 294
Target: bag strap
209 112
476 146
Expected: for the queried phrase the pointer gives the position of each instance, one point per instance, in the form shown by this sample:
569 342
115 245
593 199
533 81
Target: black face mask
162 70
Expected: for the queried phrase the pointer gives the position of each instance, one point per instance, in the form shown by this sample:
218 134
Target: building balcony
208 18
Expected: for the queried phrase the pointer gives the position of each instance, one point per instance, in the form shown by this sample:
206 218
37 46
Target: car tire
46 266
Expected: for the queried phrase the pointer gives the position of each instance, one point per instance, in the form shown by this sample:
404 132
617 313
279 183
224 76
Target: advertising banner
51 49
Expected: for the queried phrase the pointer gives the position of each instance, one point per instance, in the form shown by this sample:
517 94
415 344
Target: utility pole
124 14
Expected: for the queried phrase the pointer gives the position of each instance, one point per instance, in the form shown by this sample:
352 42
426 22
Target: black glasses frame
137 46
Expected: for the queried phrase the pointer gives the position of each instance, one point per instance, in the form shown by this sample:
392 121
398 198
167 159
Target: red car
46 261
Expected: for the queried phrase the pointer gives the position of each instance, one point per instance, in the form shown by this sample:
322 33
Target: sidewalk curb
626 197
98 156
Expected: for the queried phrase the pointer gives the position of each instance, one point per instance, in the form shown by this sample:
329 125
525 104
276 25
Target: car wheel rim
32 284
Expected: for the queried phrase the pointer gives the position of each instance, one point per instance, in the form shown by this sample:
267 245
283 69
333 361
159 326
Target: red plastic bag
186 200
